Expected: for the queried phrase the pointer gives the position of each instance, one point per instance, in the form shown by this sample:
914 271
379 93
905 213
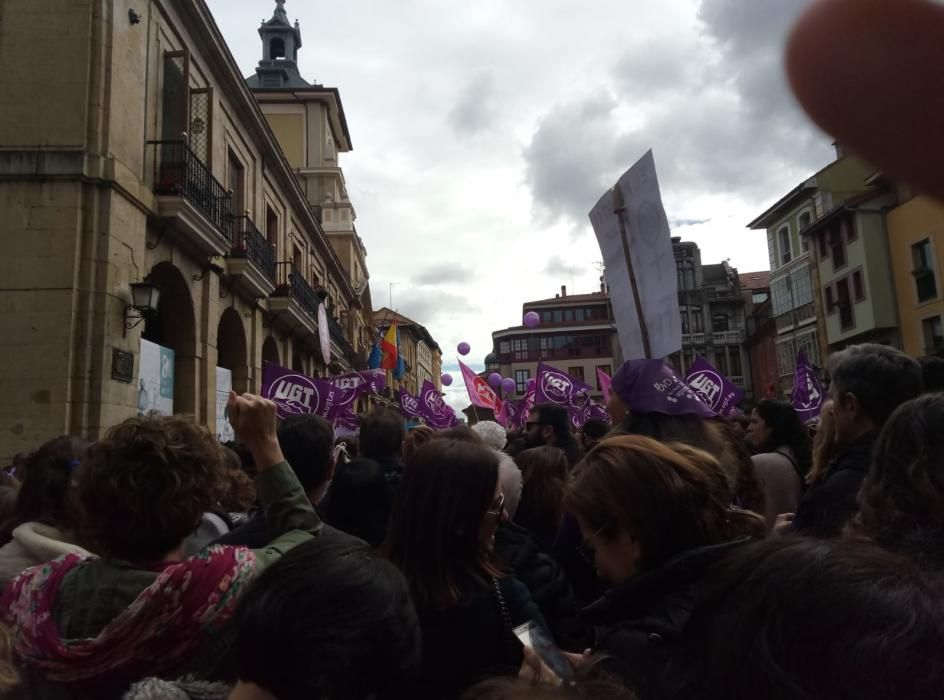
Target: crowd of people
673 555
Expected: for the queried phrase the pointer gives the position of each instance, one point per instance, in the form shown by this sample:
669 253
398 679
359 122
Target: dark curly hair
239 495
144 487
901 504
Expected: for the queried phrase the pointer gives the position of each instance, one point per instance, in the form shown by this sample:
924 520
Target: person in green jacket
97 624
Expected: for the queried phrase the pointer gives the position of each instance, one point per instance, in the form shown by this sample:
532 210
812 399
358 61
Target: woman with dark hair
545 472
805 618
440 536
782 455
96 625
44 523
901 504
654 521
415 439
330 620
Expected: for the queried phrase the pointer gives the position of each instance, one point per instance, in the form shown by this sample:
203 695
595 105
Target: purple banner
409 404
597 411
557 387
332 398
712 387
295 394
808 394
434 410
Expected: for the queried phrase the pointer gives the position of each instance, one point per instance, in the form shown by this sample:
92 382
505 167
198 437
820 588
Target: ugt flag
557 387
713 388
436 412
808 394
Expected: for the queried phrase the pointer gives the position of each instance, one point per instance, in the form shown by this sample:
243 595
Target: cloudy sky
484 132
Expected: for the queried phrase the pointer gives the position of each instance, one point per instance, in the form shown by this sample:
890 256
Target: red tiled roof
755 280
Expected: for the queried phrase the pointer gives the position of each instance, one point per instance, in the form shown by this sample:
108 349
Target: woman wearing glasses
440 536
653 519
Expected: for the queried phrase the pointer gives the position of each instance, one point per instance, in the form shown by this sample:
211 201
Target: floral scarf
188 603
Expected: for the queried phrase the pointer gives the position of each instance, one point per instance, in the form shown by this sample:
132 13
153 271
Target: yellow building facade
135 158
916 239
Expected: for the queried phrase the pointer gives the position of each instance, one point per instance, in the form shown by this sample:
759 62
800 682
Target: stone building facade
135 153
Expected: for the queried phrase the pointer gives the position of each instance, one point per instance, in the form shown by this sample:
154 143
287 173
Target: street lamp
144 299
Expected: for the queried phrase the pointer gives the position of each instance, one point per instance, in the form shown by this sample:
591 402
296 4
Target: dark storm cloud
717 114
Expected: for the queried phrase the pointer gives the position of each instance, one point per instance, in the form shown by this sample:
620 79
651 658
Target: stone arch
231 348
174 326
270 351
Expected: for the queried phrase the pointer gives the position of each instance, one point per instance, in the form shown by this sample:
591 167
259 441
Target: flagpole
619 208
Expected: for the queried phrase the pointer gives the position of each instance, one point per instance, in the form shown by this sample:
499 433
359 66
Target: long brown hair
544 471
433 537
901 503
669 504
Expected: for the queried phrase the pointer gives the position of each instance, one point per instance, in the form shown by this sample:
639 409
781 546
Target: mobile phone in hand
533 635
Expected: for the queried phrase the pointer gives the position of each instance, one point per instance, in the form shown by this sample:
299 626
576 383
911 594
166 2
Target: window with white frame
786 245
933 335
802 284
786 359
806 218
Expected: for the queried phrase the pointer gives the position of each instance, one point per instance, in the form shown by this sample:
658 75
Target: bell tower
280 44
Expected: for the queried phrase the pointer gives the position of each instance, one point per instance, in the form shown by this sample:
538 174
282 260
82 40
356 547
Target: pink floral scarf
159 631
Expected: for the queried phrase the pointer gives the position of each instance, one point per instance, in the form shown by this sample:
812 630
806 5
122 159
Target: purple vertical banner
808 394
712 387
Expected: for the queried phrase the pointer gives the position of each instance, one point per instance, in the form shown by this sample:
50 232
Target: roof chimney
563 290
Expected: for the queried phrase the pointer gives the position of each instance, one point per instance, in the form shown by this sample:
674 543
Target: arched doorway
270 351
174 327
231 349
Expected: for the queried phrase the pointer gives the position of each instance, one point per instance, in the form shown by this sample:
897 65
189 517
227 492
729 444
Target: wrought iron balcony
180 176
291 283
249 243
342 344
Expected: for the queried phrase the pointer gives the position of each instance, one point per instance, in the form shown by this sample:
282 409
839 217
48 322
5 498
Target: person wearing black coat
827 507
521 556
868 383
639 623
654 517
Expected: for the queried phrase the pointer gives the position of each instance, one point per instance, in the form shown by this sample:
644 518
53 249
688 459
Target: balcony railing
727 337
693 339
249 243
341 341
291 283
179 172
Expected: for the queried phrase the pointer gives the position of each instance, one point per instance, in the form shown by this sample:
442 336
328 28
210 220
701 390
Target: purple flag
355 384
409 404
556 387
808 394
519 410
651 386
713 388
346 422
296 394
434 410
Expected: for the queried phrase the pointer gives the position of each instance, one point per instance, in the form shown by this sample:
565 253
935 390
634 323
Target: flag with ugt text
713 388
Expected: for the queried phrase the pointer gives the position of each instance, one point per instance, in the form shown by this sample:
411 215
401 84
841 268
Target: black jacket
570 448
256 534
825 509
639 622
522 557
471 641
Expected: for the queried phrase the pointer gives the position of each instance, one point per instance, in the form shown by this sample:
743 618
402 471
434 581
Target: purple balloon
447 380
495 380
532 319
509 385
464 348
